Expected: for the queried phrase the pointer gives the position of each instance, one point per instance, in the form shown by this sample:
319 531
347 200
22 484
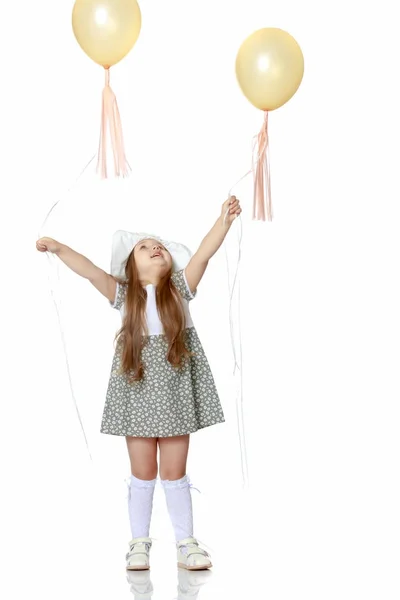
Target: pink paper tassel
261 172
111 119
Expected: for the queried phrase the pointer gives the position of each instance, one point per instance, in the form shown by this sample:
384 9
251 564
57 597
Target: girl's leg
173 458
143 459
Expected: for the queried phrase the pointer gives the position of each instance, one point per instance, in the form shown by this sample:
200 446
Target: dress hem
163 436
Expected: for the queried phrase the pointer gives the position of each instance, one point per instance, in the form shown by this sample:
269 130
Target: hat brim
123 242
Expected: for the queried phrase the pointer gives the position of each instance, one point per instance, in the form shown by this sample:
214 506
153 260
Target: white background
319 301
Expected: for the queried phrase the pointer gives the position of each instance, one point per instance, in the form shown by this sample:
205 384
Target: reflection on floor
189 584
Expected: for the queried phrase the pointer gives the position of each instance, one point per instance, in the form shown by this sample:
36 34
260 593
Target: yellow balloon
106 29
269 68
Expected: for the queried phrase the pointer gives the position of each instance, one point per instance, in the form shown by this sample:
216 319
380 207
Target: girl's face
152 258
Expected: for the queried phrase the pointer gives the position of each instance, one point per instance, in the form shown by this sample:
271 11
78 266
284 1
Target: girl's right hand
46 244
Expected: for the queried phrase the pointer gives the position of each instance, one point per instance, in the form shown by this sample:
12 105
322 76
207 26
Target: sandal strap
186 541
192 547
196 550
133 545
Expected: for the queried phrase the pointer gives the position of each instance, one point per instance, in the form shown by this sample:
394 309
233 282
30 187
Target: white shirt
154 324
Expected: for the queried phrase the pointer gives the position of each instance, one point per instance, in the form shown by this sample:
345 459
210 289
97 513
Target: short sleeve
120 294
181 284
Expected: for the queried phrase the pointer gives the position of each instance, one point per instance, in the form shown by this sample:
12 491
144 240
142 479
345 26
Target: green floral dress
167 401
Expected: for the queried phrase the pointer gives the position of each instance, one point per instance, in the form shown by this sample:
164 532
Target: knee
145 472
172 473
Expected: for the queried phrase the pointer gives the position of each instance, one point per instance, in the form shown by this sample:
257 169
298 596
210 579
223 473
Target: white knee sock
179 504
140 505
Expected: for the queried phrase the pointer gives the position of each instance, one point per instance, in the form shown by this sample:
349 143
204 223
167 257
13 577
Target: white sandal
137 559
191 556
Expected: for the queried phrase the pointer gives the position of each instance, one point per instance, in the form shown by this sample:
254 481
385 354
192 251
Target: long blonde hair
132 335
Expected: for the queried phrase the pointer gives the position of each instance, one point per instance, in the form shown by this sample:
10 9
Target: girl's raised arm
211 243
81 265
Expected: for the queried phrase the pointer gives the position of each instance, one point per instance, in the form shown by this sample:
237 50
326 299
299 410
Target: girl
161 388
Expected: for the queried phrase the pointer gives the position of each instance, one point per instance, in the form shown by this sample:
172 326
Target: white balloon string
238 363
53 262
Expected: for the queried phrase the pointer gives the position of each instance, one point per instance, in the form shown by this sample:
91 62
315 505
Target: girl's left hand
230 208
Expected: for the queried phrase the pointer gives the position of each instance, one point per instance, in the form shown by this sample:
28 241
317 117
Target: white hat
124 242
